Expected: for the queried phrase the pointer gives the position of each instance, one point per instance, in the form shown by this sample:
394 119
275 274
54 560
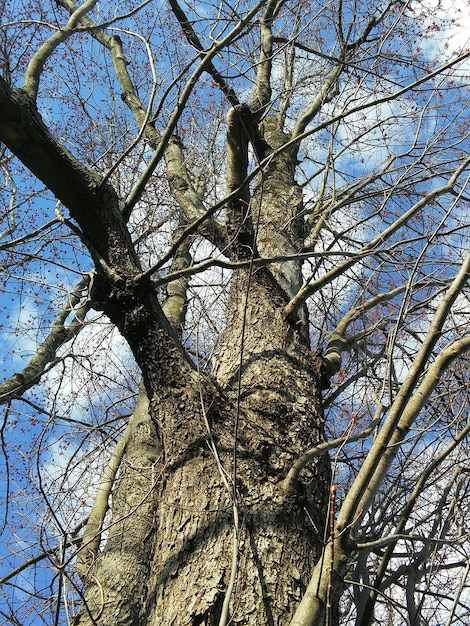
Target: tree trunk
276 414
228 441
168 557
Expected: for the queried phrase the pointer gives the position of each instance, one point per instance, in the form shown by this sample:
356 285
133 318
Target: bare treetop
234 306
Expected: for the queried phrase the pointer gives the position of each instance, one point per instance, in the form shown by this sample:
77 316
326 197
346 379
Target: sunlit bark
219 502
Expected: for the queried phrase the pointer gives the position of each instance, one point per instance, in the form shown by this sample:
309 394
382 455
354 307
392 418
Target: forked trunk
212 508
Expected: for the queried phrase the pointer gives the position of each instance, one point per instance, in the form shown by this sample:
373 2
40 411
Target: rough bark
278 210
279 414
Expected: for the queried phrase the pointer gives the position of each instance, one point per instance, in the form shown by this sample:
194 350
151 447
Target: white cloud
70 478
97 362
446 26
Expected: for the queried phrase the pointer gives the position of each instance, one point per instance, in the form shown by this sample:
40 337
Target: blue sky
96 379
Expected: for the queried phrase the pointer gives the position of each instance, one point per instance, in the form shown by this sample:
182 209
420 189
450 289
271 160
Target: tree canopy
234 312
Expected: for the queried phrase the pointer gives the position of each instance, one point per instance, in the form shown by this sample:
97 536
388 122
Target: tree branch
207 57
194 40
39 58
308 289
263 91
59 335
91 538
339 343
331 81
291 479
405 407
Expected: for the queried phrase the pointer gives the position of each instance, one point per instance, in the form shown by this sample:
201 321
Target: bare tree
235 309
